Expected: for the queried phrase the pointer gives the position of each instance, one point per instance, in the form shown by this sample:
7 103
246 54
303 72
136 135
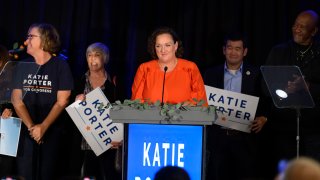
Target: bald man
303 50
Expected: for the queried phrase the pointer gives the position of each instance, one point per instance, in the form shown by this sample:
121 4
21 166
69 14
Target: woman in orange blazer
183 81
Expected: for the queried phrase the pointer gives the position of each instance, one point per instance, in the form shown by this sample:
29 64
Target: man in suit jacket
234 153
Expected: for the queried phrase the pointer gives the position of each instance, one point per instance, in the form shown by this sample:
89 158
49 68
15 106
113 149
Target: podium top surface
127 114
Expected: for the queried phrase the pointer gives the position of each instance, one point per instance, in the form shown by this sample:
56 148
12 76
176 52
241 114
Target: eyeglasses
30 36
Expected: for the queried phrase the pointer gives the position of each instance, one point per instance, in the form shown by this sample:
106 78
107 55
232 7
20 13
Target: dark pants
280 145
39 162
7 165
233 155
86 163
311 146
101 167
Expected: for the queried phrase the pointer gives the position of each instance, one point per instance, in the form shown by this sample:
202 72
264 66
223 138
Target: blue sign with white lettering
152 146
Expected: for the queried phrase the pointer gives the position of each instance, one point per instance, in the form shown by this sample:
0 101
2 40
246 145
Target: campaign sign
234 110
152 146
94 123
9 136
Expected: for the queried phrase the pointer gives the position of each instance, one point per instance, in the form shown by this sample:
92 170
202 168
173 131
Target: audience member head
302 169
153 46
43 37
305 27
171 173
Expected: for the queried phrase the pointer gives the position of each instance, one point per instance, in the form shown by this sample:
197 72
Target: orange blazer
182 84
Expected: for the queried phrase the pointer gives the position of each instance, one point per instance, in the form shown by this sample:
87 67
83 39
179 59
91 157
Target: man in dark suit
234 153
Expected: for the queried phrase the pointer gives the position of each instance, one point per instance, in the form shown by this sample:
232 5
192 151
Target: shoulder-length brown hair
159 31
50 39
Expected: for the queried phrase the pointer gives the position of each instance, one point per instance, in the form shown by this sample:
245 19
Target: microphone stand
298 114
164 79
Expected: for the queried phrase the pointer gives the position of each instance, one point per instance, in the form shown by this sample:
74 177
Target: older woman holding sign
102 166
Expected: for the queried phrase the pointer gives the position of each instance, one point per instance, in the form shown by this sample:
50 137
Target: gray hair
101 48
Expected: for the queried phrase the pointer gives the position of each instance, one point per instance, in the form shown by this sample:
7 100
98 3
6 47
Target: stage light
281 93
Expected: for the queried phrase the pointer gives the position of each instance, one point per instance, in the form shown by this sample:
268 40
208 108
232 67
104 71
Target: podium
288 89
152 141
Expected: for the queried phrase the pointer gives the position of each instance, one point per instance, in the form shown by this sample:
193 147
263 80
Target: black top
109 89
308 59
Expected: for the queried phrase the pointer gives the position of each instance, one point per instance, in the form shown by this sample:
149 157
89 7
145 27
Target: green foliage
104 106
167 110
136 104
171 111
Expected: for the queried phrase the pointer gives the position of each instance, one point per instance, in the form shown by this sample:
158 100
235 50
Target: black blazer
251 82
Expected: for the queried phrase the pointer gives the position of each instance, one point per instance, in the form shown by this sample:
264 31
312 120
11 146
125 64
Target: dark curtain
124 26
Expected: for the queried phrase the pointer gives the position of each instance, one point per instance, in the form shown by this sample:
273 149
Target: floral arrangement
167 110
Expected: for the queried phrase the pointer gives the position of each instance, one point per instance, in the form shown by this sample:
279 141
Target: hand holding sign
235 110
258 123
94 122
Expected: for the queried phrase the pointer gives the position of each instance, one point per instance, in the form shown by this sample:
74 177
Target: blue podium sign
152 146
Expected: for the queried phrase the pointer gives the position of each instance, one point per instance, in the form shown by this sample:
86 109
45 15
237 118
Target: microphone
164 79
17 51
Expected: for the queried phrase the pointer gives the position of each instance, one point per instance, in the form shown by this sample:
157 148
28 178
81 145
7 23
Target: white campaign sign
9 136
234 110
94 122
